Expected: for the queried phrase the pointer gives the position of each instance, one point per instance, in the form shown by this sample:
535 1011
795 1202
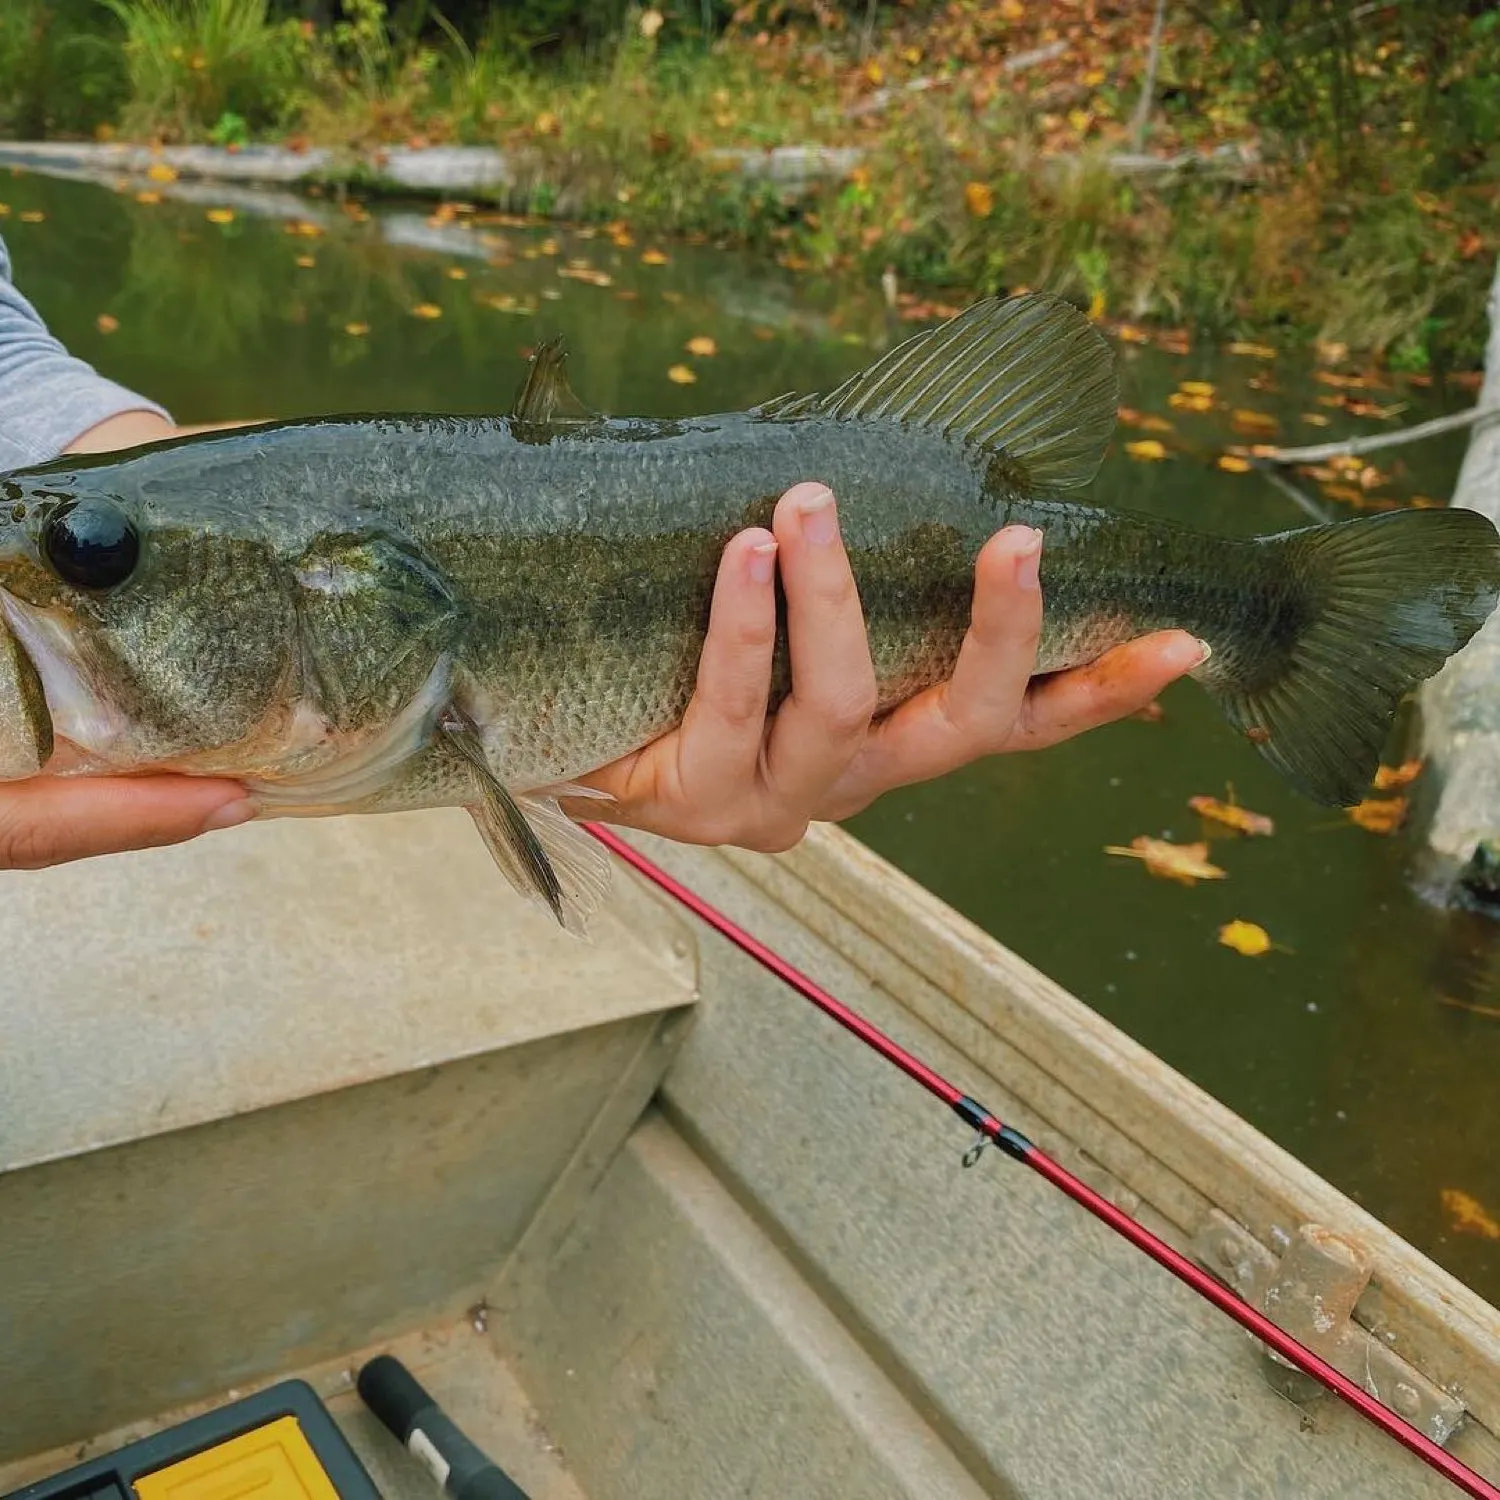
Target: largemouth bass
379 613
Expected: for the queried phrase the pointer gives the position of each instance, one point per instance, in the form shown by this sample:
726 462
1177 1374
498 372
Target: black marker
391 1391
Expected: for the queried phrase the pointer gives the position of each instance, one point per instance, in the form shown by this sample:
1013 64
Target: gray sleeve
47 397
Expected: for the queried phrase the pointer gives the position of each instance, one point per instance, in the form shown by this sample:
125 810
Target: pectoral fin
539 849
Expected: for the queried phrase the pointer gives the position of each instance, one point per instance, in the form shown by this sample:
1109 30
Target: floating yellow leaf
456 273
159 171
1467 1215
1254 351
1231 815
1147 450
1245 937
681 375
106 323
148 197
303 228
1187 863
979 199
1232 463
427 310
1128 333
1195 388
1315 419
356 330
654 257
220 216
1181 401
32 216
703 346
1254 423
1380 814
1345 492
1388 778
307 262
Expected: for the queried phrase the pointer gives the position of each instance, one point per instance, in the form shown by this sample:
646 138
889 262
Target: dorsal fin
1027 377
546 399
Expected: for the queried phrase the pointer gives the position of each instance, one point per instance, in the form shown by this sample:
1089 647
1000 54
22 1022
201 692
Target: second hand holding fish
732 774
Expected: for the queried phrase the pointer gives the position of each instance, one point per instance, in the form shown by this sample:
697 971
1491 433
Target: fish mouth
51 714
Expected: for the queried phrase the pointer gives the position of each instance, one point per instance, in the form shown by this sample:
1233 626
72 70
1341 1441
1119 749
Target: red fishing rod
992 1129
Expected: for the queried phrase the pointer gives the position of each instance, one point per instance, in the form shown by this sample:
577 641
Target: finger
1121 682
974 713
821 726
51 819
723 728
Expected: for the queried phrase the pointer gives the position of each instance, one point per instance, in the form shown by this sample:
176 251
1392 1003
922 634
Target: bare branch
1353 447
1148 84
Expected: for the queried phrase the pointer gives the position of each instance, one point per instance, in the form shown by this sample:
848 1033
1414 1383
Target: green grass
1374 221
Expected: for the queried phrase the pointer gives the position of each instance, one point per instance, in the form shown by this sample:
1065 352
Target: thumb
49 820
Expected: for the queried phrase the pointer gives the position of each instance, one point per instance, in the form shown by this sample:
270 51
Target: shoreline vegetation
1290 171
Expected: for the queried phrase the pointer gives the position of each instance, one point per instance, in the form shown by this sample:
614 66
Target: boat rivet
1406 1401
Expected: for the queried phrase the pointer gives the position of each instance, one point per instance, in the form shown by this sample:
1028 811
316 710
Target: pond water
1338 1044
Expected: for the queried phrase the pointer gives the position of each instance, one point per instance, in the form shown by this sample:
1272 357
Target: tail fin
1386 601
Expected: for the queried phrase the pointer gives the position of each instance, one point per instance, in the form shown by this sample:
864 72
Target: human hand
730 775
48 820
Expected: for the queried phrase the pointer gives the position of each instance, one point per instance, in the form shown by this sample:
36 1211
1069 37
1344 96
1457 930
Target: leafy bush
191 62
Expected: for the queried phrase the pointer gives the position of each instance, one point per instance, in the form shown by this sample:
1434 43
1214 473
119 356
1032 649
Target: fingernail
820 524
230 815
762 562
1029 562
1204 652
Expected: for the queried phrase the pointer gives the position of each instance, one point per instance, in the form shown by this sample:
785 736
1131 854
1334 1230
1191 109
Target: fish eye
91 544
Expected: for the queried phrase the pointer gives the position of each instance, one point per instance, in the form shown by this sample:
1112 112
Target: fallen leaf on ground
1245 937
1231 815
681 375
979 199
1148 450
1380 814
703 346
220 216
1232 463
1467 1215
106 323
1388 778
1187 863
427 310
